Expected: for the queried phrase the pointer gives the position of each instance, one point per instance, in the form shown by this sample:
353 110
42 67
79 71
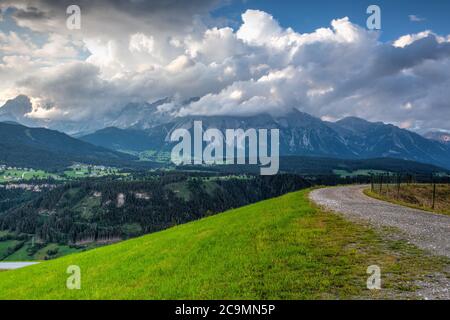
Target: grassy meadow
418 196
14 175
283 248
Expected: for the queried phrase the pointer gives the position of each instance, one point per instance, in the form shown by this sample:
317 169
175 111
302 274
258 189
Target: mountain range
16 110
135 115
300 135
22 146
141 127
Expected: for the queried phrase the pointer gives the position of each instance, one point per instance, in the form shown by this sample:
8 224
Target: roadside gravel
424 229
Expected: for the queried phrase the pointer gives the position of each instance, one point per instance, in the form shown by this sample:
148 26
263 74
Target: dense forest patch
106 210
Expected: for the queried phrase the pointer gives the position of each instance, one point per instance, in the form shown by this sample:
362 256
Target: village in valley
30 179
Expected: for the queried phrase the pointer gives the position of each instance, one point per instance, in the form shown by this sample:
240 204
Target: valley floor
283 248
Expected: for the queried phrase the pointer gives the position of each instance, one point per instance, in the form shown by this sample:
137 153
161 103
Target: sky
238 57
307 16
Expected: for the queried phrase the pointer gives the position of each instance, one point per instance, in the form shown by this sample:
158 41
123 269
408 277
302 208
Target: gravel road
424 229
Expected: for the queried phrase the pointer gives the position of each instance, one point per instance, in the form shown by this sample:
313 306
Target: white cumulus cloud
141 51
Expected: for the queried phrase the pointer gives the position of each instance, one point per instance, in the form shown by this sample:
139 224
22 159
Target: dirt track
424 229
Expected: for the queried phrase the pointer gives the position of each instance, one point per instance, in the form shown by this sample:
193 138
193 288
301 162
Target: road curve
424 229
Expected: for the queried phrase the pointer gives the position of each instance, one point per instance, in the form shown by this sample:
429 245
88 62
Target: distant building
120 200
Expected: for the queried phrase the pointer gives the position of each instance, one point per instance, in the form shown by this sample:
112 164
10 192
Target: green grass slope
282 248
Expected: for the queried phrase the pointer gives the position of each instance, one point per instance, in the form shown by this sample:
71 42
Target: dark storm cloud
28 9
391 59
31 13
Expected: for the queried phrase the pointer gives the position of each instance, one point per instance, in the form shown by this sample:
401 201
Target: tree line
90 210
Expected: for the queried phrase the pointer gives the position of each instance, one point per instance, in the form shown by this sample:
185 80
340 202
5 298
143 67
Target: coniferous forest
109 209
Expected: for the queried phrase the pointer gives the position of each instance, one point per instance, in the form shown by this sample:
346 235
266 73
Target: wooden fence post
381 183
434 195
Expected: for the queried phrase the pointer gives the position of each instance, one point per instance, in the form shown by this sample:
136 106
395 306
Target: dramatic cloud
149 50
110 17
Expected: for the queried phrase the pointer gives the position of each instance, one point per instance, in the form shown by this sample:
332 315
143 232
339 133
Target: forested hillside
41 148
110 209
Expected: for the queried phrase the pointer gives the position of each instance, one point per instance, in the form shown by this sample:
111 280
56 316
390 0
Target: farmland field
11 175
361 172
83 171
